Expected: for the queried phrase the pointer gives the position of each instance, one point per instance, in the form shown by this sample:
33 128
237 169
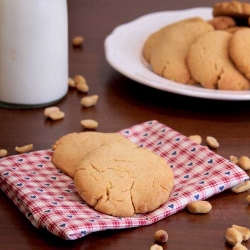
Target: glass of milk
33 52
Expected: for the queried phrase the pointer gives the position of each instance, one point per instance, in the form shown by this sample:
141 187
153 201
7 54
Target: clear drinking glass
33 52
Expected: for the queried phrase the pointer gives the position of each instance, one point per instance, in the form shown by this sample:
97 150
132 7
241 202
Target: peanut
24 149
239 246
89 124
56 115
71 82
156 247
199 207
195 138
82 87
81 83
242 187
212 142
89 101
245 232
233 159
233 236
3 153
248 198
48 110
161 236
244 162
77 41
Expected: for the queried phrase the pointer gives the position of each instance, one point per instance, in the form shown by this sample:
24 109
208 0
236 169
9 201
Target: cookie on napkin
210 64
121 180
71 148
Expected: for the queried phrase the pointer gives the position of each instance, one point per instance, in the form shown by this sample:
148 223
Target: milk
33 52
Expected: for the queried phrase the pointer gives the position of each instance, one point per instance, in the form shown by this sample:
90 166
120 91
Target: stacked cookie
112 174
214 54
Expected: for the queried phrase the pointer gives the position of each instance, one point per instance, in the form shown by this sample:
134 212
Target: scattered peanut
161 236
212 142
244 162
233 159
77 41
245 232
239 246
82 86
248 198
156 247
24 149
195 138
3 153
81 83
78 79
242 187
199 207
233 236
89 101
48 110
89 124
71 82
56 115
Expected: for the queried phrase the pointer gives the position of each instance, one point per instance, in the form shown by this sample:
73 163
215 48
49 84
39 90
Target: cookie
209 63
234 29
240 11
222 22
71 148
167 49
239 50
120 180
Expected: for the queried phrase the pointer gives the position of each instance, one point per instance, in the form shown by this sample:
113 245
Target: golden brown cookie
166 49
232 30
239 50
121 180
210 64
232 8
240 11
71 148
222 22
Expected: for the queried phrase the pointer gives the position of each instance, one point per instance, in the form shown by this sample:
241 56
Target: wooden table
123 103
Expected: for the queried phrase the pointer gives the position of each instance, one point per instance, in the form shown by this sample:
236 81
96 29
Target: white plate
123 51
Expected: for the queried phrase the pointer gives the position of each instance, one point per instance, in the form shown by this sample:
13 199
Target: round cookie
120 180
240 11
239 50
210 64
71 148
222 22
166 49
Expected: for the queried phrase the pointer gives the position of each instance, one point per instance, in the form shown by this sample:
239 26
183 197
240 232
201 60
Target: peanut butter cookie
240 11
239 50
71 148
209 63
120 180
222 22
166 49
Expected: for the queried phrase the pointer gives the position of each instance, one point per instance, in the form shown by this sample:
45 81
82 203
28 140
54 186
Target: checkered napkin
46 196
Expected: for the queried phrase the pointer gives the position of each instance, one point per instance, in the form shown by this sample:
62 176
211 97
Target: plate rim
172 87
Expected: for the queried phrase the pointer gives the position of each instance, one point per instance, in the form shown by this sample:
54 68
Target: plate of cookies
199 52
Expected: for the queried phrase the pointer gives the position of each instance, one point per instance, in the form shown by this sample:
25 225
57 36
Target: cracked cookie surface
71 148
209 63
239 48
121 180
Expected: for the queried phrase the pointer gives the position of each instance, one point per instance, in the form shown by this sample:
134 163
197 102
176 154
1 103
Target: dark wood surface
123 103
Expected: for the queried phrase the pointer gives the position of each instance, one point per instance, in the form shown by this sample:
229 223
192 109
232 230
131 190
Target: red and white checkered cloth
48 199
